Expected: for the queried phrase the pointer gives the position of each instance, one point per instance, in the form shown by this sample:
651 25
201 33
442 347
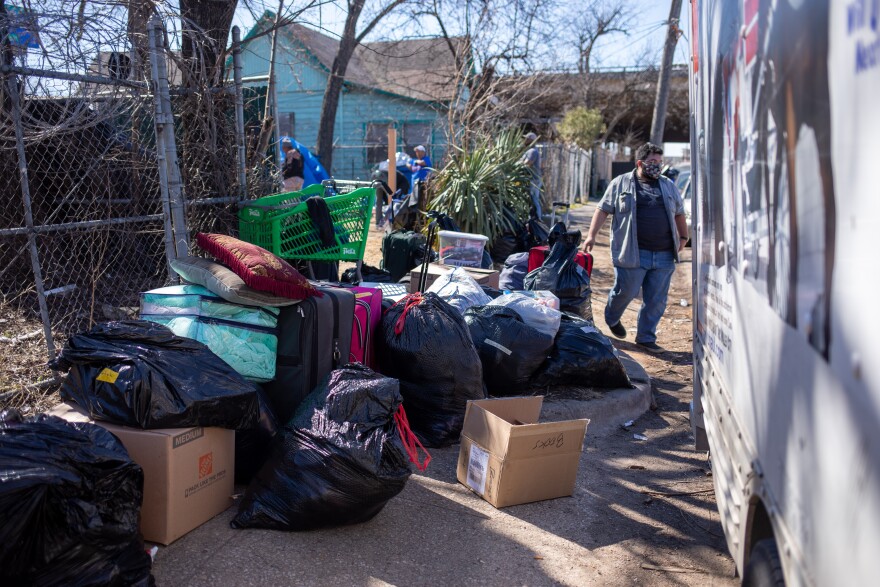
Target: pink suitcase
367 315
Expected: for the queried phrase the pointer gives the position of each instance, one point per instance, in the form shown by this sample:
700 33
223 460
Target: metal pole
159 124
271 95
12 84
175 183
239 112
659 119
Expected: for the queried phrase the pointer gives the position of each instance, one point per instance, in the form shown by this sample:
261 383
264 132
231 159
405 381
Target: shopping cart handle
560 204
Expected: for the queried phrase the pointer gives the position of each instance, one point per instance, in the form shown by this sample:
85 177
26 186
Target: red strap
410 443
410 302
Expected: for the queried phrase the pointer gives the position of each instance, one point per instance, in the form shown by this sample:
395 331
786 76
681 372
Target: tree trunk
206 25
330 104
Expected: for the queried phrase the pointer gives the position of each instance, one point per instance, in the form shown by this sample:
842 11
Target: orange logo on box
206 465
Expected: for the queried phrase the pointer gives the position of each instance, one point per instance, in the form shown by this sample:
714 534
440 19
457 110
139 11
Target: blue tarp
313 171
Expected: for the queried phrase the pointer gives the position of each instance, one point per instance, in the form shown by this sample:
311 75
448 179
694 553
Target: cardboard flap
488 422
550 438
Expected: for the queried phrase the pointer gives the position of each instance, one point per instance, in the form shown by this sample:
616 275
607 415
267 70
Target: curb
615 407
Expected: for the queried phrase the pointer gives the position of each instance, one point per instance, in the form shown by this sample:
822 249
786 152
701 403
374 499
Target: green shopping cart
281 223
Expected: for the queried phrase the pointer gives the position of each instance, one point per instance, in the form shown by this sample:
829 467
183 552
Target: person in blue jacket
420 165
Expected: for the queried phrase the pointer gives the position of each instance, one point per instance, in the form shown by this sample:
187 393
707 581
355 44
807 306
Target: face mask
651 169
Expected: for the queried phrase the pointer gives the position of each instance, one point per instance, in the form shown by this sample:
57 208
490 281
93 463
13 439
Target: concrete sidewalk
436 532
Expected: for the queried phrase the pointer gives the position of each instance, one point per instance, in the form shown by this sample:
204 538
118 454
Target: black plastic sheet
509 349
425 343
338 461
252 445
138 373
69 500
582 356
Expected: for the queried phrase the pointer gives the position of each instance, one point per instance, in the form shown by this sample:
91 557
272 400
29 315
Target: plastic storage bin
461 249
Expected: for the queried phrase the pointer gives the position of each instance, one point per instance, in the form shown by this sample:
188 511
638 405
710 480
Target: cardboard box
482 276
508 458
188 473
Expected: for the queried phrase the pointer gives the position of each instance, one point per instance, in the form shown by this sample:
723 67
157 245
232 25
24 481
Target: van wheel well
761 528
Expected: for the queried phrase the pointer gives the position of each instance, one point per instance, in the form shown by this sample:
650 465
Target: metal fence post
165 133
12 84
159 124
239 113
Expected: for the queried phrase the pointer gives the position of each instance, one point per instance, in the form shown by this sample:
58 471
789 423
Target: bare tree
348 42
206 25
503 45
598 19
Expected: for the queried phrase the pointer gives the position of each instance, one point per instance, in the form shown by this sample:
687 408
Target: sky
648 29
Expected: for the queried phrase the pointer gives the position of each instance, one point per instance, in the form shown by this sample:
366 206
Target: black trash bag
514 273
252 446
486 261
425 343
583 357
338 461
70 497
139 373
539 233
557 231
369 273
491 291
510 350
503 246
561 275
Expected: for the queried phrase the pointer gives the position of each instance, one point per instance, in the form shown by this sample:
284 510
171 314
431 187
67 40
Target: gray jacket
620 201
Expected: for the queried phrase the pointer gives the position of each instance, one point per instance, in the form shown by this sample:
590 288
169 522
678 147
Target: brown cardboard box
188 473
482 276
508 458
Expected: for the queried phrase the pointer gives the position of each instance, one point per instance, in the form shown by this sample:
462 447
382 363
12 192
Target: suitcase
402 250
243 336
314 337
537 256
367 315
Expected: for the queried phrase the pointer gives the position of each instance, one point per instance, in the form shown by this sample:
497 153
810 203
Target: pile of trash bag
425 343
138 373
510 350
70 497
562 275
338 461
583 357
458 289
542 318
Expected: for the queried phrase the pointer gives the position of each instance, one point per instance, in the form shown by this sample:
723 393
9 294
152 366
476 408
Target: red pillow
259 268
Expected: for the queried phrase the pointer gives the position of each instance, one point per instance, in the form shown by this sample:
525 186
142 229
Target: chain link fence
571 174
107 171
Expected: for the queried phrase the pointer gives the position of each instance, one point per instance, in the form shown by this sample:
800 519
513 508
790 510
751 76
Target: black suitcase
314 337
402 250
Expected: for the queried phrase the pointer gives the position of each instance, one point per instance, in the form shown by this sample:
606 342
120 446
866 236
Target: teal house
410 84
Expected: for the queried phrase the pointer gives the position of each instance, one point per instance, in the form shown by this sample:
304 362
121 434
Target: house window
287 124
376 141
414 134
409 135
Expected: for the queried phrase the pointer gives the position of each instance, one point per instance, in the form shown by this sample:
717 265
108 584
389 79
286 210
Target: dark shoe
617 330
651 347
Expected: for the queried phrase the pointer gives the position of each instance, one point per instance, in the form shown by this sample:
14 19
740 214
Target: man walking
648 229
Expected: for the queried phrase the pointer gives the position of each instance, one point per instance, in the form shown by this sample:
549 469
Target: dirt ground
661 525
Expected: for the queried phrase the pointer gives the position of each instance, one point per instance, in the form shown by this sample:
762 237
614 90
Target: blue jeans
535 193
652 277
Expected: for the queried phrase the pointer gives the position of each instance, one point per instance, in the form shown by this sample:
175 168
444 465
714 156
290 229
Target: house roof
421 69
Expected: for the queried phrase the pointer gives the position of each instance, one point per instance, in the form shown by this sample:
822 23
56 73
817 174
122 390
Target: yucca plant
480 181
